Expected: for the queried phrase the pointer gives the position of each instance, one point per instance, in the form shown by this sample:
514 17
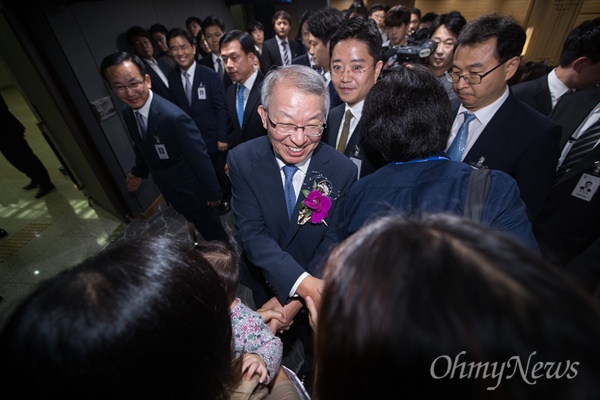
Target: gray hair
297 76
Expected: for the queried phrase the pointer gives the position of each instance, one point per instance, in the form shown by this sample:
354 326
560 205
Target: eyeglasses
290 129
471 78
183 47
354 70
131 86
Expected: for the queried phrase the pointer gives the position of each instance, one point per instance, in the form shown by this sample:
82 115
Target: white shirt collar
250 81
145 109
556 87
485 114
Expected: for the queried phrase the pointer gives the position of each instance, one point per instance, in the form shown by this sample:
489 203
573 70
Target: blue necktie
141 124
460 141
290 195
240 103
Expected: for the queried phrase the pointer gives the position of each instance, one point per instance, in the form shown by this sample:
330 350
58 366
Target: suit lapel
335 119
253 98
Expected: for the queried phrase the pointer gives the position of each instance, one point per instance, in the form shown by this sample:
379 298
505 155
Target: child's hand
252 363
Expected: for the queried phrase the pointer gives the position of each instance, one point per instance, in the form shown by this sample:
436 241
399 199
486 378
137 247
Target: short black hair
191 19
324 22
118 58
245 39
283 15
252 25
453 21
397 16
510 35
582 41
136 31
181 32
158 28
213 20
407 114
378 7
365 31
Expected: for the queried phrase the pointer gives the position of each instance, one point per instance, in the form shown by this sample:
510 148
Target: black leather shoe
44 190
3 233
224 207
32 185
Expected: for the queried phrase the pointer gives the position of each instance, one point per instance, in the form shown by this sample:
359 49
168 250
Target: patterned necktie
240 103
460 141
188 88
341 147
141 124
584 143
220 68
286 55
290 194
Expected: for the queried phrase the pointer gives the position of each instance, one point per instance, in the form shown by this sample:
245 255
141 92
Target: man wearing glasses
491 127
166 143
355 67
271 176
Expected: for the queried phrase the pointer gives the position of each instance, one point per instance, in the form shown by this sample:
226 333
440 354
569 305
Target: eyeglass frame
341 72
131 86
323 125
481 76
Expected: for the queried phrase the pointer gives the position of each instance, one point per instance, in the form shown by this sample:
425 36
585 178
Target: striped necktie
584 143
341 147
286 55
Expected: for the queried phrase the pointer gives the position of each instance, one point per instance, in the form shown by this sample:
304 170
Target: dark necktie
583 144
286 55
341 147
240 103
290 194
220 70
141 124
460 141
188 88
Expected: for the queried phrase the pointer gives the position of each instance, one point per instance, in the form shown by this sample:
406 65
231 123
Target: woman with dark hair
421 308
144 319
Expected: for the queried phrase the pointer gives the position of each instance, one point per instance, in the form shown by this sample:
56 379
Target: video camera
416 52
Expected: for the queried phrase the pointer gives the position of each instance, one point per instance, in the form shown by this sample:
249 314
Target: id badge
161 150
201 92
586 187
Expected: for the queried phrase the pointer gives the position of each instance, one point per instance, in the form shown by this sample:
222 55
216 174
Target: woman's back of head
443 305
145 318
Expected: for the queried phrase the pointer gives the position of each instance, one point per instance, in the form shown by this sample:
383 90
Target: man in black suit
280 50
355 67
500 131
214 28
166 143
206 103
322 25
239 56
17 151
158 69
579 69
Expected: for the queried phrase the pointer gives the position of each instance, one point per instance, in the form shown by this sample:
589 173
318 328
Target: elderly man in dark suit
167 143
197 90
491 126
281 250
243 98
280 50
355 67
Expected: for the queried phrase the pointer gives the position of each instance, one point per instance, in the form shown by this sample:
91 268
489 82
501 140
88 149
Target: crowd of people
352 166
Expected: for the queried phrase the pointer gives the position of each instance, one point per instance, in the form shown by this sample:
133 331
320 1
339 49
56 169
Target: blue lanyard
420 160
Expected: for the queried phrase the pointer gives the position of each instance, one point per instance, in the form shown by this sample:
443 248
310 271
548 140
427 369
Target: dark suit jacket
187 178
334 98
252 124
210 114
208 62
371 158
276 251
523 143
535 93
569 227
158 86
302 60
271 55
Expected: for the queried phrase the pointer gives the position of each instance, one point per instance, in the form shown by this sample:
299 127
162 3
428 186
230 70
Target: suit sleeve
219 104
